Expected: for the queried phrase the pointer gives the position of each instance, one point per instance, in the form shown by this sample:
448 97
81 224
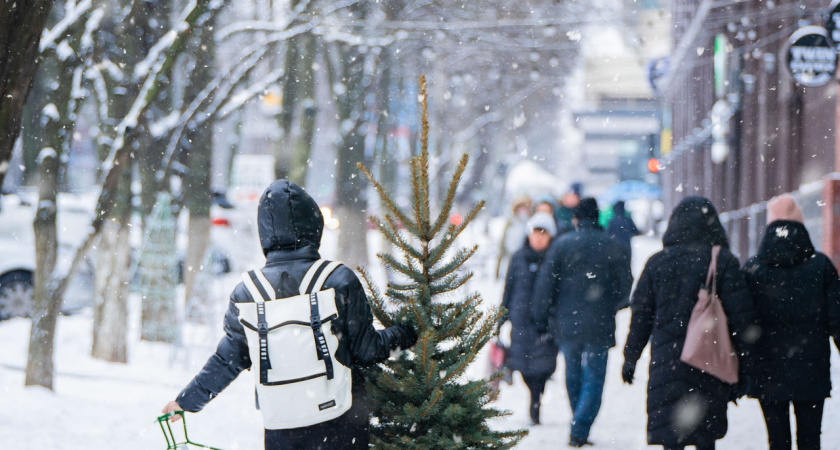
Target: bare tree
21 24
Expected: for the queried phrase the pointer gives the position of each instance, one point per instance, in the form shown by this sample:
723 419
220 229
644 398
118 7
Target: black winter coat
661 307
290 226
583 282
526 353
622 228
796 293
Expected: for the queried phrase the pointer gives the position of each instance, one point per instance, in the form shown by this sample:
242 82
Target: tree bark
110 312
308 110
57 110
351 205
199 159
21 24
39 364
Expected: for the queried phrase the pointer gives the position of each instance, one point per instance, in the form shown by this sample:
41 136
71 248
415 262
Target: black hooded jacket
661 307
796 293
584 280
290 226
527 354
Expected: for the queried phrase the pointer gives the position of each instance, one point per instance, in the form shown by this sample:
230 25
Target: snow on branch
73 13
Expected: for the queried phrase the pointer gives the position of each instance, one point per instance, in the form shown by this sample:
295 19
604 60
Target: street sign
832 24
811 56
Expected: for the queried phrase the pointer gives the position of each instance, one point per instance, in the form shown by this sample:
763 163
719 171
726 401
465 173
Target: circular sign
811 56
832 24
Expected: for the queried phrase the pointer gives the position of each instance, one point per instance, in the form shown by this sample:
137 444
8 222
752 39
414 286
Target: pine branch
452 283
402 244
386 199
461 257
404 269
450 195
378 306
423 161
452 233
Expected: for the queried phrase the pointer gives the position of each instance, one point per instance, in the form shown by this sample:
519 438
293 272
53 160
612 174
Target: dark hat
586 209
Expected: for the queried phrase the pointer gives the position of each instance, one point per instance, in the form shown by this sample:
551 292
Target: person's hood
288 218
786 243
695 221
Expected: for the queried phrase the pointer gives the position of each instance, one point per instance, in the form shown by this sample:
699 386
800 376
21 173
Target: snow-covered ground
103 405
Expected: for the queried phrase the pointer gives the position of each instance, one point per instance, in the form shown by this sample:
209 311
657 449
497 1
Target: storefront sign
811 56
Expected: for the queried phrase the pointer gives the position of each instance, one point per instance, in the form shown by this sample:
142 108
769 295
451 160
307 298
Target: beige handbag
708 344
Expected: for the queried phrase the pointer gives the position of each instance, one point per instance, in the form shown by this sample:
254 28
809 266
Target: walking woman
685 406
533 357
796 293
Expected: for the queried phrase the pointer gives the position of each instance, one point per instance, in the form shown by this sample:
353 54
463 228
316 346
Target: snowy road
102 405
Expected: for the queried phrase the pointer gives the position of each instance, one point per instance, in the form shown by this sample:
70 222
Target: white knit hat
544 221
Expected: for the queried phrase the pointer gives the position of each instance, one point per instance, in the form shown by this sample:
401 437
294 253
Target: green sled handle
171 442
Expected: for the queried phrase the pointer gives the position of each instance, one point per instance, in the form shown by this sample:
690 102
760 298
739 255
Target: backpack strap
318 283
311 284
320 340
256 282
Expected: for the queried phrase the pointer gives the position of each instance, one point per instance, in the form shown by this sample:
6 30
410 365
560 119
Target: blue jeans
586 369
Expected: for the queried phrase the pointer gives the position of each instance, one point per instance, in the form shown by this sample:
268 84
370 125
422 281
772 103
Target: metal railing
745 226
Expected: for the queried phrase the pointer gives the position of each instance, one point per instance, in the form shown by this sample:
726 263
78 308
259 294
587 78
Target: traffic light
653 165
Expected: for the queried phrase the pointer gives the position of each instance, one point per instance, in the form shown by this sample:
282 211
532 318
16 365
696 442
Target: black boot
535 413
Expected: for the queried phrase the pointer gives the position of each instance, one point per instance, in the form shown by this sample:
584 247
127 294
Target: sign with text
811 56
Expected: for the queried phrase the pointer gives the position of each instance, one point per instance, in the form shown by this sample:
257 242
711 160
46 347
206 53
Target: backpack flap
299 374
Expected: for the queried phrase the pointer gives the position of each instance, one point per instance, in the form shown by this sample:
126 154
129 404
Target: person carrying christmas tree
584 280
290 227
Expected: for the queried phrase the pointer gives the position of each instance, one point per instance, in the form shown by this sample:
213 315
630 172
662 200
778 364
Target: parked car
17 257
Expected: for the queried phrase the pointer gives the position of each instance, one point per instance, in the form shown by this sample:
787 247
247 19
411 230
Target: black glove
407 336
627 372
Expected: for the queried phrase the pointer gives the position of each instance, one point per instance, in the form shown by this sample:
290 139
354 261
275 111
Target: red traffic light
653 165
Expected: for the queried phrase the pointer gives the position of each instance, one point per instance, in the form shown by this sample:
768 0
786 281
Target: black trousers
350 431
808 424
536 385
706 446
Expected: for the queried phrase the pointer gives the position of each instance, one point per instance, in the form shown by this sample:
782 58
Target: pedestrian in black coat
685 406
583 282
534 358
621 227
290 227
796 293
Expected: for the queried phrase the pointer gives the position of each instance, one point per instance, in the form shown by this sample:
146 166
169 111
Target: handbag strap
711 277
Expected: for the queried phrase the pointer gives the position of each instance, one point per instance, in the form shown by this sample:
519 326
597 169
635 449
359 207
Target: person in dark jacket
621 226
796 293
535 359
290 227
684 405
585 279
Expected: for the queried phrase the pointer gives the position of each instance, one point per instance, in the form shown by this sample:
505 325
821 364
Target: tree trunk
39 365
111 280
199 159
308 111
21 24
57 110
351 205
110 312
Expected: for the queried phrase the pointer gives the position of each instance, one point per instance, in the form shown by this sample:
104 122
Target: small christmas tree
422 400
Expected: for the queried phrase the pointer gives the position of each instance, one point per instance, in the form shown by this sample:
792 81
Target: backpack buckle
262 327
315 321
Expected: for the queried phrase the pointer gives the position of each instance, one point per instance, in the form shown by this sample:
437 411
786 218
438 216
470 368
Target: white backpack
299 380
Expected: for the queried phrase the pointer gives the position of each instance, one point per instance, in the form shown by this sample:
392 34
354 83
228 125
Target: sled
171 441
